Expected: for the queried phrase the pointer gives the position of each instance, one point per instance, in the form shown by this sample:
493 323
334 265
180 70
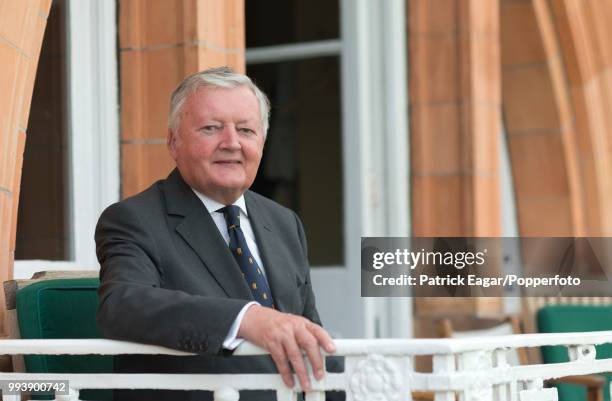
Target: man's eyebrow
245 121
207 123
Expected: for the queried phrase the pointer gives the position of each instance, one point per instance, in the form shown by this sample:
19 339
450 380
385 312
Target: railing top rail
344 347
425 346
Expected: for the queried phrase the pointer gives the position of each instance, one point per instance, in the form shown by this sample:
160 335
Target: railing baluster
514 390
444 364
226 394
500 360
315 396
536 392
581 353
73 395
286 394
479 387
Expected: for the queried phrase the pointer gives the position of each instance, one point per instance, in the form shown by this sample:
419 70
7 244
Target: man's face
219 142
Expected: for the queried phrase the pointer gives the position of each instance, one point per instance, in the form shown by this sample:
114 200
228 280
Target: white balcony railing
375 370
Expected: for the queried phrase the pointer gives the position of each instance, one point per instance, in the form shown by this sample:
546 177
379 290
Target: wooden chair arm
588 381
593 383
423 395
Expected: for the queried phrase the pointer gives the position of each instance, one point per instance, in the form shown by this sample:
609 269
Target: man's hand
285 336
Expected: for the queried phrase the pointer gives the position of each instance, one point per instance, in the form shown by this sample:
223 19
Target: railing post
73 395
226 394
479 387
315 396
536 392
286 395
444 364
505 391
581 352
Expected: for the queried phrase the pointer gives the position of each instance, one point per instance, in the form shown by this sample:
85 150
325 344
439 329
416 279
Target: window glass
43 208
273 22
302 163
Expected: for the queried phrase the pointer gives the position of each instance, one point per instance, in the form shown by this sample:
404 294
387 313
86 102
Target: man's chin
226 194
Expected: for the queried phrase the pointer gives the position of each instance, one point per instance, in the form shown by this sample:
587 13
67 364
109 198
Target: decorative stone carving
375 378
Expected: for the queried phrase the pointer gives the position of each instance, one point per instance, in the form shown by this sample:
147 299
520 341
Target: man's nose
231 139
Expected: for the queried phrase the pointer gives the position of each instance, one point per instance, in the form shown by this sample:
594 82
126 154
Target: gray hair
220 77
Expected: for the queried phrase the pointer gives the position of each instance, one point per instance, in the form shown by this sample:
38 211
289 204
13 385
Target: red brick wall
161 42
455 117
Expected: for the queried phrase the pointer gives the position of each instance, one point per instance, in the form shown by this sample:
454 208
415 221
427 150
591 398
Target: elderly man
197 262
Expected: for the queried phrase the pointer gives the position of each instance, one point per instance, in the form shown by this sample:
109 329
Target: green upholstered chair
62 308
575 318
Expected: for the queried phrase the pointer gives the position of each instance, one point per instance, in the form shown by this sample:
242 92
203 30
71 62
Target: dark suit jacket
168 278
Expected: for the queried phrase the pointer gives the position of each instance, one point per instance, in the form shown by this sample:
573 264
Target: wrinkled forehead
223 104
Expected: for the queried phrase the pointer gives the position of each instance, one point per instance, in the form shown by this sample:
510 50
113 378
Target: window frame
372 51
93 130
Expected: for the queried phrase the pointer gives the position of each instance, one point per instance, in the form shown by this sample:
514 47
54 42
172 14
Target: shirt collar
212 205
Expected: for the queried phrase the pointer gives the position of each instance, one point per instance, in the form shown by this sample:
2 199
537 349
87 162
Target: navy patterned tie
250 269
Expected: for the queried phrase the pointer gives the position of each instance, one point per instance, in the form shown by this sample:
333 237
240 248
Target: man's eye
209 129
246 131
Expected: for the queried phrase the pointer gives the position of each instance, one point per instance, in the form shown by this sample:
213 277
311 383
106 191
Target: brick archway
556 94
22 25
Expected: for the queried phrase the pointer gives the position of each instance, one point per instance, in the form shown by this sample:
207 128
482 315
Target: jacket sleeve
133 306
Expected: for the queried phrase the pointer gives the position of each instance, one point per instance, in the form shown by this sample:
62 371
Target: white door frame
375 150
376 146
93 121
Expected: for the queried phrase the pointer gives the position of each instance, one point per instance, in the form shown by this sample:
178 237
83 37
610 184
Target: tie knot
232 215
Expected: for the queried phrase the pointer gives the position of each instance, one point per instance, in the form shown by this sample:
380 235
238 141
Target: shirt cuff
231 341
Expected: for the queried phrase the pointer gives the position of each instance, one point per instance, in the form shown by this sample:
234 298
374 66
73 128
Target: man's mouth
228 162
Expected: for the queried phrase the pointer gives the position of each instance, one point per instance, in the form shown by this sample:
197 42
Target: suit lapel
198 229
282 282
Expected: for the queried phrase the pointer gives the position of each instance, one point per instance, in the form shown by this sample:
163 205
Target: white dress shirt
231 340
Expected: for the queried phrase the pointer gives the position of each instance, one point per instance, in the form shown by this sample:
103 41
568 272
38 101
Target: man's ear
171 143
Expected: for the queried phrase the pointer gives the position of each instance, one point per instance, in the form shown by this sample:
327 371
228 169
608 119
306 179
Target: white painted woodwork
380 369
